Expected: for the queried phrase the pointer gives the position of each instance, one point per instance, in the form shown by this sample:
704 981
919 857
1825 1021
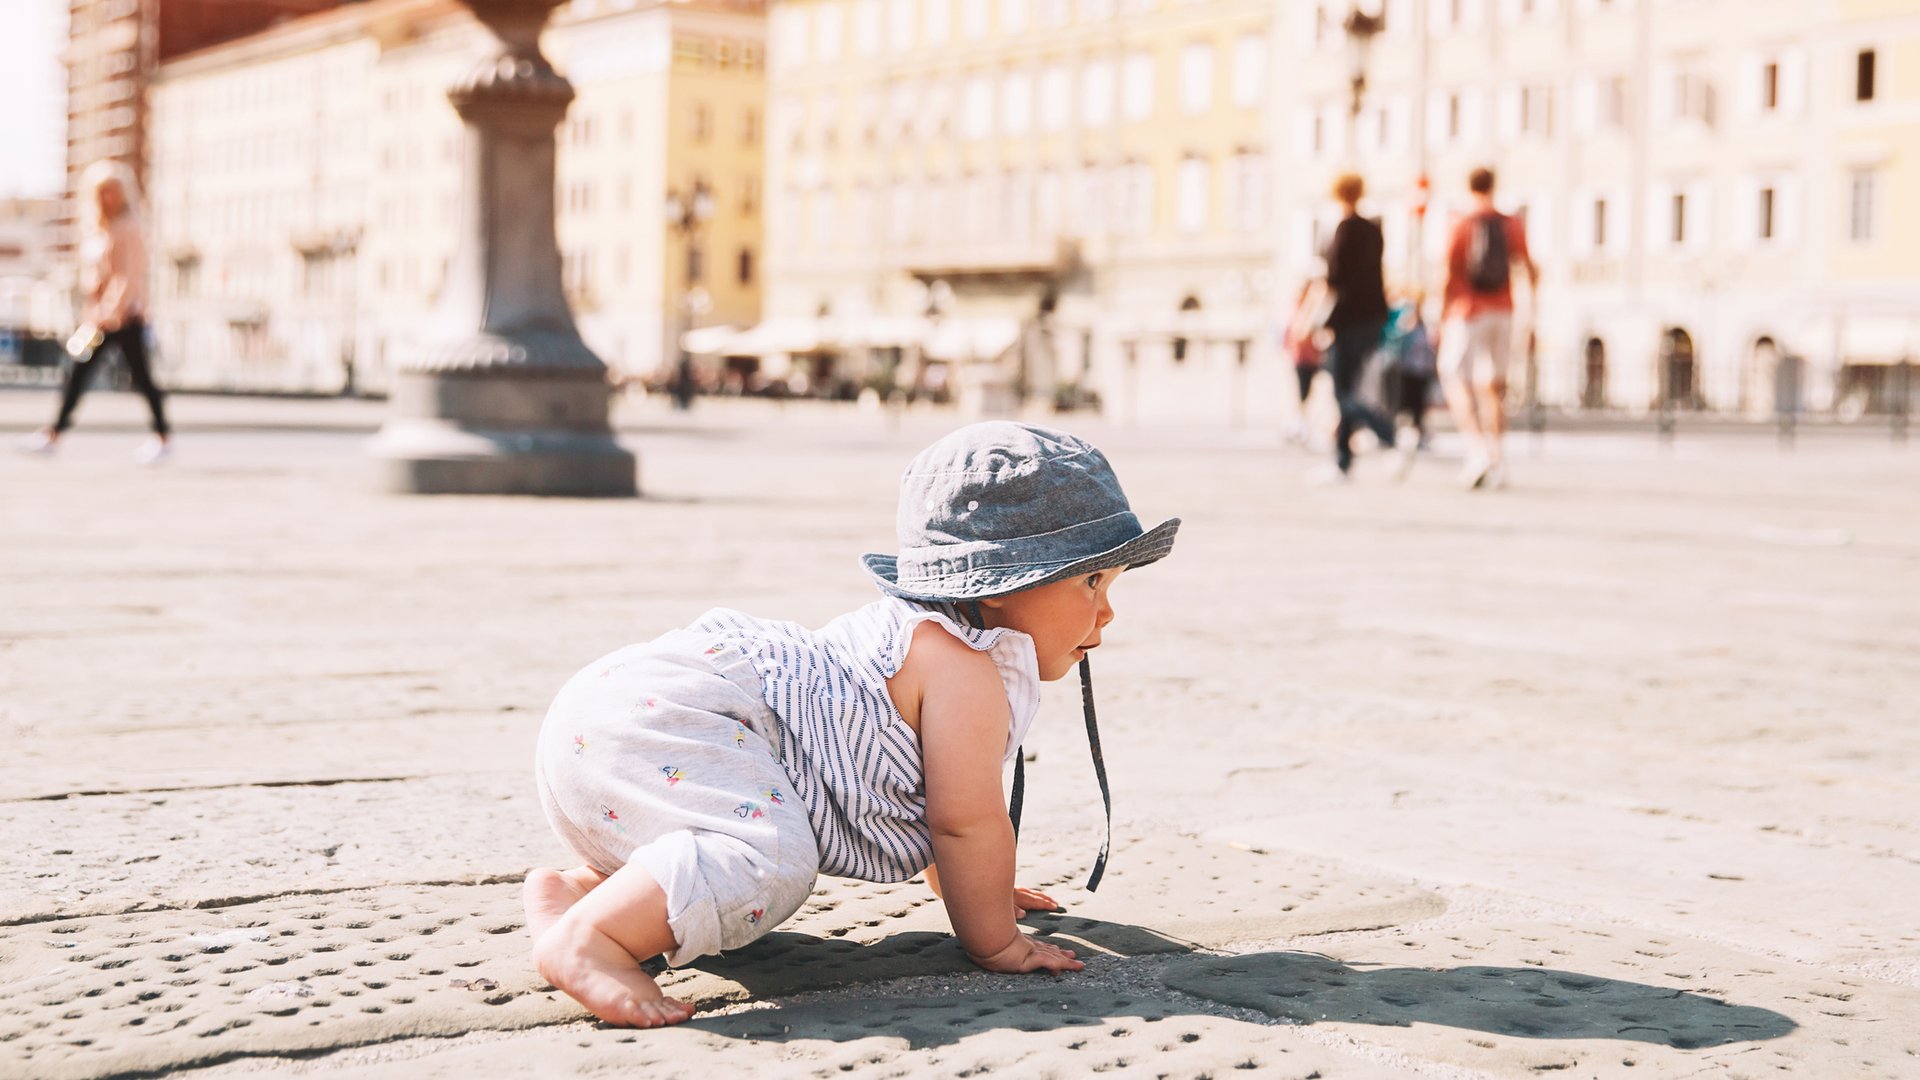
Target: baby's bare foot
595 971
547 895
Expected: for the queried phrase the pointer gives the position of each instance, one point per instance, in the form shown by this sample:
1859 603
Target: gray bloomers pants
664 755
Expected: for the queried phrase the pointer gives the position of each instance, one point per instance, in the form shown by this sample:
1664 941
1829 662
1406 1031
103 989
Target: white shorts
662 754
1464 342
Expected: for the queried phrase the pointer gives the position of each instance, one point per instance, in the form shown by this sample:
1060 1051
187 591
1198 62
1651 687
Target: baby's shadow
785 962
1522 1002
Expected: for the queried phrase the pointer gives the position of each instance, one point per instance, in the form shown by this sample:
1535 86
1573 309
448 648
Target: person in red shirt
1476 331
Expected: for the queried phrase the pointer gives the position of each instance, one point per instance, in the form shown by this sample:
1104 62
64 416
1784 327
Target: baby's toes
647 1014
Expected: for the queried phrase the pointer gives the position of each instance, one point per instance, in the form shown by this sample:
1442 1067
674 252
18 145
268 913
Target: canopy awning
970 338
1879 339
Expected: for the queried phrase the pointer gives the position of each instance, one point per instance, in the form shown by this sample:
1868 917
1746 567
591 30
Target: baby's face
1064 619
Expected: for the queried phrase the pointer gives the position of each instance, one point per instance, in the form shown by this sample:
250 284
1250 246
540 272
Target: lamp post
686 216
1361 28
502 397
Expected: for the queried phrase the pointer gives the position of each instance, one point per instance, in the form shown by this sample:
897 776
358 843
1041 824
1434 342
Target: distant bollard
1788 381
1902 403
1663 400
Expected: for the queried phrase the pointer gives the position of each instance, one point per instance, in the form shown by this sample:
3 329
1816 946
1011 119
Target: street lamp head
1361 28
676 210
702 206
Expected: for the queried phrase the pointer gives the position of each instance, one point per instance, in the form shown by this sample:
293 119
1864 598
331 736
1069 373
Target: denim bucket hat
997 507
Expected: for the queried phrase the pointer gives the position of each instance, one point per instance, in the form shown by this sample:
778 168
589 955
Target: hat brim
1149 547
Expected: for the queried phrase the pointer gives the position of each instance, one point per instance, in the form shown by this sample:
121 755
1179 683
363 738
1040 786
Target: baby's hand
1024 954
1025 900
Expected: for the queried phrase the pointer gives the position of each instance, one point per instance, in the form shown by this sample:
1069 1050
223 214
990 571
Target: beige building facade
1709 185
306 180
1070 194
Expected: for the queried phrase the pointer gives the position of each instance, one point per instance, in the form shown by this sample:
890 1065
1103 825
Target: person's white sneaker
154 451
1496 477
40 443
1474 472
1406 443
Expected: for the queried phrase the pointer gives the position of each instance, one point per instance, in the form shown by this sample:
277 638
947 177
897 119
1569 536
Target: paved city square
1611 774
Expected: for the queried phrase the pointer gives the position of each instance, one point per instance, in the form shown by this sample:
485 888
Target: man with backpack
1476 331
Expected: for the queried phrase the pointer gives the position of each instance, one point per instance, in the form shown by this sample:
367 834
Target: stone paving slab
1606 1001
220 977
1051 1030
1588 694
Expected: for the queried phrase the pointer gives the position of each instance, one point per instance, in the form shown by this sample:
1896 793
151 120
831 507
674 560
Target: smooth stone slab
202 848
1212 893
1601 1001
304 973
1044 1028
1696 877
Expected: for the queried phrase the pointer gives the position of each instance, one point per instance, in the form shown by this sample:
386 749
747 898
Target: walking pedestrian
1476 331
114 277
1359 314
1412 368
1301 341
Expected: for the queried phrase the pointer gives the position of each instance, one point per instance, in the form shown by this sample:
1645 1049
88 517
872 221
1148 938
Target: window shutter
1750 80
1793 83
1699 216
1788 211
1509 114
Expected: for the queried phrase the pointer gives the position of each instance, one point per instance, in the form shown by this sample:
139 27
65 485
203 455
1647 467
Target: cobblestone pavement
1610 774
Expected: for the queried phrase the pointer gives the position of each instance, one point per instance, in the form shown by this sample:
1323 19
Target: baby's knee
725 893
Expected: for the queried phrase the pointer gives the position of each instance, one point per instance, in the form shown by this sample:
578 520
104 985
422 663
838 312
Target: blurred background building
113 47
1709 185
1040 202
1046 199
306 179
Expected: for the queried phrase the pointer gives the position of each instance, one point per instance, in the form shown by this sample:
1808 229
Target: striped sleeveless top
854 763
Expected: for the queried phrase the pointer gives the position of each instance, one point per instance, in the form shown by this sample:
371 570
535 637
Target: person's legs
1453 364
131 340
75 384
1414 388
1351 347
1305 373
1493 336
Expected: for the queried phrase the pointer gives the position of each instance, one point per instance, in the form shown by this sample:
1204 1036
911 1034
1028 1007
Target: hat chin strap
1099 772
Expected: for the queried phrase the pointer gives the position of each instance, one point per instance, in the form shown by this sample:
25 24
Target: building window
702 121
1765 223
746 266
1249 70
1860 223
1016 103
1136 86
979 107
900 28
1096 93
1190 195
1863 85
1056 93
1679 235
1599 225
750 127
1196 77
1770 86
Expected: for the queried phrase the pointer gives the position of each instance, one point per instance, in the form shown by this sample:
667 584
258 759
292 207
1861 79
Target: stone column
503 398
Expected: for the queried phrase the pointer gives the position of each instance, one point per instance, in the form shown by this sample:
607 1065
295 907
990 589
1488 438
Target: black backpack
1487 256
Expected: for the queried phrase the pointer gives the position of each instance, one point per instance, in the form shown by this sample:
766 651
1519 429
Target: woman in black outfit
1359 314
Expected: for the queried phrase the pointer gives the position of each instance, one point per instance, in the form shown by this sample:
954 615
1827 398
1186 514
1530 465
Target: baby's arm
963 737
